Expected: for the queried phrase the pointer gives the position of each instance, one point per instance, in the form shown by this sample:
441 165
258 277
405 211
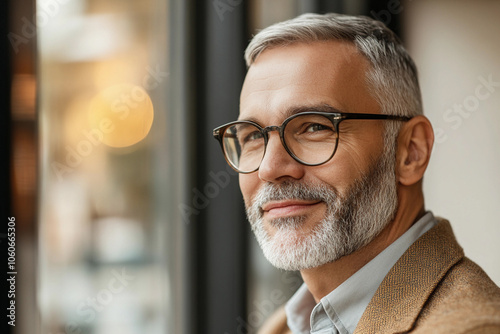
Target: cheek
339 173
352 160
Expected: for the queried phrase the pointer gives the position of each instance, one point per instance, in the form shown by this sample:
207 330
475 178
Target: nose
277 165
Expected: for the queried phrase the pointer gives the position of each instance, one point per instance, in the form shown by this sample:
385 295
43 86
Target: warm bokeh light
121 115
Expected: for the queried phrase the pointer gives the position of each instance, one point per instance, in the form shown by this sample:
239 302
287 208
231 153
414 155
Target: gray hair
393 78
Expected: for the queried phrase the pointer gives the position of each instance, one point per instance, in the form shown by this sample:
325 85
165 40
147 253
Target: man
331 145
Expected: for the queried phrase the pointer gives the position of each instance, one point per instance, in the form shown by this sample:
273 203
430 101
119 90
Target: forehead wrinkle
257 84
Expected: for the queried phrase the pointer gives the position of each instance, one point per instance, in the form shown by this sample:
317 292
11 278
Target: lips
285 208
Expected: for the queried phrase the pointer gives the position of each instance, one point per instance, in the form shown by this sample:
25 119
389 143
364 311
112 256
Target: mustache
292 190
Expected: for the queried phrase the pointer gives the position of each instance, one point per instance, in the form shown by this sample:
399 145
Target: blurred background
127 218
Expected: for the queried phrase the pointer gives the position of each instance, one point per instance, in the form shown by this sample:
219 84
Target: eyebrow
290 111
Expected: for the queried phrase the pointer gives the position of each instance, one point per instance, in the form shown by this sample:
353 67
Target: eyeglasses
311 138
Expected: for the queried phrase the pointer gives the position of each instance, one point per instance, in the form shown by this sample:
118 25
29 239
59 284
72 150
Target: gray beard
351 221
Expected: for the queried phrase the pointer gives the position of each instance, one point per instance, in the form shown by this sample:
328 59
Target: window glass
105 235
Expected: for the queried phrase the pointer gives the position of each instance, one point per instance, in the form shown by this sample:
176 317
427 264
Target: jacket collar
400 297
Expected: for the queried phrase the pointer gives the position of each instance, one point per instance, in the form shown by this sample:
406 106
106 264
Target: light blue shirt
340 311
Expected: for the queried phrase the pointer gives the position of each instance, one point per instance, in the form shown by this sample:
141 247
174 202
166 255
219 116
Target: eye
310 126
255 135
315 127
246 133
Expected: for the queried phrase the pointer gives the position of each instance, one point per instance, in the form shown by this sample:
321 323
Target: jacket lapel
400 297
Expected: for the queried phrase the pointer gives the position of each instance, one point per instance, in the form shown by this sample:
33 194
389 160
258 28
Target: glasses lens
244 146
311 138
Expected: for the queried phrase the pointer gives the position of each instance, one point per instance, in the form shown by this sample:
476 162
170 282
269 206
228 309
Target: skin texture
284 80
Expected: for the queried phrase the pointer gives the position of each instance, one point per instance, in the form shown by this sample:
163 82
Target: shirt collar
340 311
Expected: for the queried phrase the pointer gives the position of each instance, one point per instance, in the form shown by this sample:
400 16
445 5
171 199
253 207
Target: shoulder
465 300
434 288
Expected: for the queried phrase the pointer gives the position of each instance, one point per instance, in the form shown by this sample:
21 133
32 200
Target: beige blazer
432 288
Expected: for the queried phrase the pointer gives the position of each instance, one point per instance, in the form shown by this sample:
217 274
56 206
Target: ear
415 142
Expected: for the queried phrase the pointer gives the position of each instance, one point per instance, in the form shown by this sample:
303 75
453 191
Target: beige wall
456 45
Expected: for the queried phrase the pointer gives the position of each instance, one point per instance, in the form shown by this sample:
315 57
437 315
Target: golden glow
122 113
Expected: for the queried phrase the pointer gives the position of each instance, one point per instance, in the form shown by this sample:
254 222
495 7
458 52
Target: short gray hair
393 79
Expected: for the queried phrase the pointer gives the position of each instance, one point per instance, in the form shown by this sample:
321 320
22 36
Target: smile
287 208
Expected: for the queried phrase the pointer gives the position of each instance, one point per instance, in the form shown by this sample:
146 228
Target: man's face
294 208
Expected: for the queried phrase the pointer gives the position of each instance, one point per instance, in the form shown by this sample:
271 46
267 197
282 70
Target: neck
326 278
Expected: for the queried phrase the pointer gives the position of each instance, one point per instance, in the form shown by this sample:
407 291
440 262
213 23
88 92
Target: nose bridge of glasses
270 128
280 137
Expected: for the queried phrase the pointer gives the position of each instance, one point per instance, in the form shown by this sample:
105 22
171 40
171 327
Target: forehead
319 73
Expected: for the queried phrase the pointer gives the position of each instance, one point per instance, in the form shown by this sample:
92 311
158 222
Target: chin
292 249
